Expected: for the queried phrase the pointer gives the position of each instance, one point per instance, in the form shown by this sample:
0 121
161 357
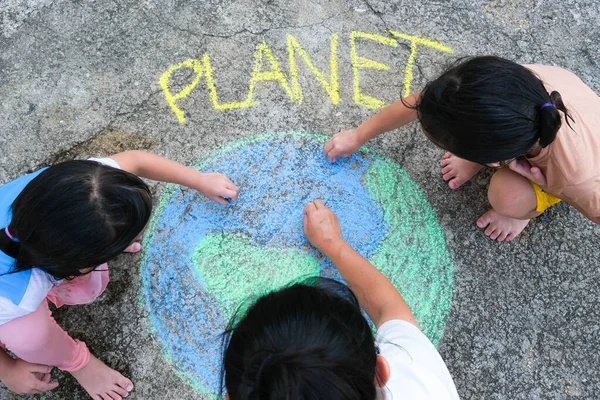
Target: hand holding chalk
342 144
218 188
321 227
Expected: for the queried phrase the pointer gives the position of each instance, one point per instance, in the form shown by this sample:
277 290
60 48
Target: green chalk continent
237 271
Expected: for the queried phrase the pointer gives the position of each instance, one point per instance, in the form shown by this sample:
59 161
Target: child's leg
513 203
38 339
457 171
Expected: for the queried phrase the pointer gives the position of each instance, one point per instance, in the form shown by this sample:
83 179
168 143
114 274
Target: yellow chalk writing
331 87
172 98
414 42
275 74
359 62
212 90
265 58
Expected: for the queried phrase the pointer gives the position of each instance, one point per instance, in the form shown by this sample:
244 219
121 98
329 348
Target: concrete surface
81 78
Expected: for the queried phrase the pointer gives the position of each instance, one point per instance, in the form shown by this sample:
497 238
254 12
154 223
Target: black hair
488 109
308 341
75 215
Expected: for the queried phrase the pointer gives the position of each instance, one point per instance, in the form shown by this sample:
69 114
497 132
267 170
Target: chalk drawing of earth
202 259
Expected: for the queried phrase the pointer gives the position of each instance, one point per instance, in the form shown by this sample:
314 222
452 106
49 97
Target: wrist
362 134
332 248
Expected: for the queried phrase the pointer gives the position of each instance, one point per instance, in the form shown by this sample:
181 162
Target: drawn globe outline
416 247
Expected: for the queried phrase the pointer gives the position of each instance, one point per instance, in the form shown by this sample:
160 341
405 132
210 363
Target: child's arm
215 186
346 143
18 375
375 293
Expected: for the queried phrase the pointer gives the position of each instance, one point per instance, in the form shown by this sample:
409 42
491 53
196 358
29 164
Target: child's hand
321 227
27 378
217 187
342 144
522 167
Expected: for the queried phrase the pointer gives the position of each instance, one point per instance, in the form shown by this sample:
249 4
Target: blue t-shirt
12 286
22 292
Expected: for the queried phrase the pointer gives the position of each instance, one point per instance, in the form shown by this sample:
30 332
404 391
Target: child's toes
113 396
447 176
489 230
446 169
510 236
454 184
495 234
447 155
502 237
125 383
121 391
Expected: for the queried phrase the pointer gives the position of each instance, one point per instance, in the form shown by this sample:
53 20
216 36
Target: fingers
43 369
220 200
328 147
230 193
42 386
331 156
319 204
310 207
234 191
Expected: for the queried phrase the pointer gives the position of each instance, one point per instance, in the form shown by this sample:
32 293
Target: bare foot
500 228
457 170
102 382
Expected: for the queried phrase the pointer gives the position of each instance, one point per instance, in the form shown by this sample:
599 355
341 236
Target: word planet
202 260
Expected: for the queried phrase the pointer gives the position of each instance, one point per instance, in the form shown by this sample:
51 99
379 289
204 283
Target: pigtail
8 246
550 120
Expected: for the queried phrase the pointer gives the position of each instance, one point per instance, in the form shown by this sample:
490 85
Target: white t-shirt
39 284
417 372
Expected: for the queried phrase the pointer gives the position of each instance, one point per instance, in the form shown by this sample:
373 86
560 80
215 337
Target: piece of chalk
228 199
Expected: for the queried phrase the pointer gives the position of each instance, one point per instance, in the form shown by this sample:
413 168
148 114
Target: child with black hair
538 125
59 227
310 341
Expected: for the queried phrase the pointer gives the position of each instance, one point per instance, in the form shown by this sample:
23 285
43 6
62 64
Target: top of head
307 341
77 215
488 109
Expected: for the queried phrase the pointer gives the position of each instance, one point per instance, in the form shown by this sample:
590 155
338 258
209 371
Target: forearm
155 167
376 294
392 117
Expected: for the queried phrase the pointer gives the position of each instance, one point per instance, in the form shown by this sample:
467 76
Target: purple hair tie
547 105
8 234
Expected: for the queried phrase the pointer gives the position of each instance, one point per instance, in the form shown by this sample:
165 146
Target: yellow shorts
544 200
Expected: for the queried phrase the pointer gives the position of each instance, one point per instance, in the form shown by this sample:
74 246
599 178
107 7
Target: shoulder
17 303
550 72
417 370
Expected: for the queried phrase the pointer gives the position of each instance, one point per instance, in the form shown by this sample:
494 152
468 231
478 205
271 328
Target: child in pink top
60 226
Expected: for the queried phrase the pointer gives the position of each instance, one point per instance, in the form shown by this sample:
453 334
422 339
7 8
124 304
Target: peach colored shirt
571 163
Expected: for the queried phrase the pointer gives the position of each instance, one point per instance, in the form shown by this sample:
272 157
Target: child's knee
511 194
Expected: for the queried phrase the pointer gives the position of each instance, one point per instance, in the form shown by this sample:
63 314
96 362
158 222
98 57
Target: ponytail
549 119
